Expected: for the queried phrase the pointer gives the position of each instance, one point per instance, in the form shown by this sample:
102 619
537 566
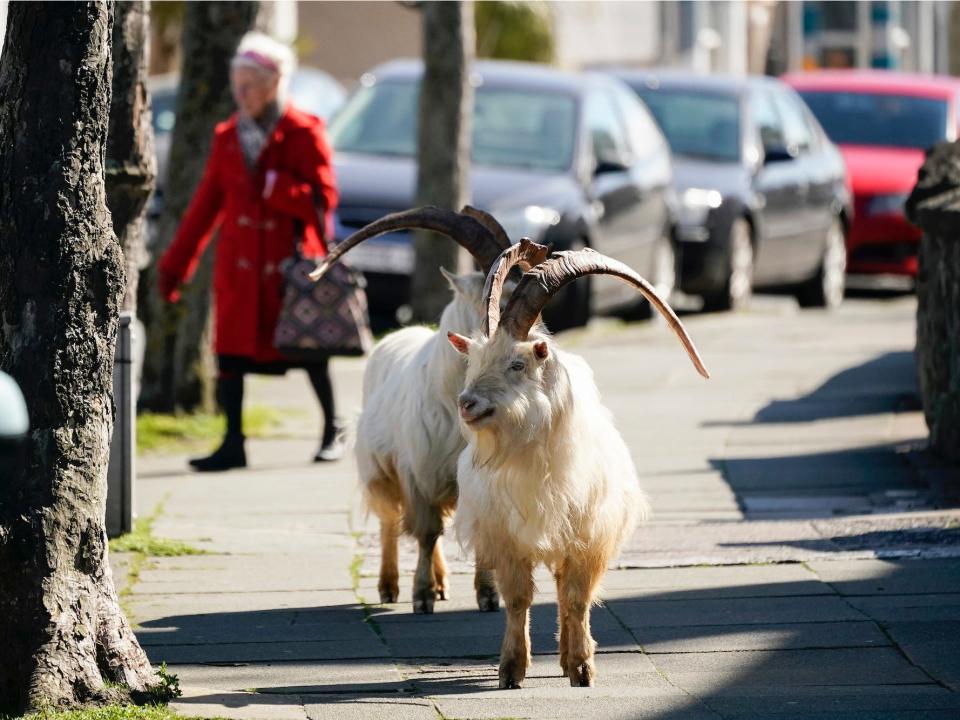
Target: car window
512 127
880 119
603 122
643 134
767 120
698 124
796 130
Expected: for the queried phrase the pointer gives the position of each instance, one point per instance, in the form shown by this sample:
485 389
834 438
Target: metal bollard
123 445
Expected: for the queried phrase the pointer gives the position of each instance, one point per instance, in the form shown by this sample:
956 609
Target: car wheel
738 289
826 288
570 307
664 277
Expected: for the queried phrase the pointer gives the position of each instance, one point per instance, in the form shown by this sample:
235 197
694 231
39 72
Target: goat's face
506 386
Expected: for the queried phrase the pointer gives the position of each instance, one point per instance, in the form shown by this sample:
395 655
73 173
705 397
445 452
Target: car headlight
890 204
531 221
696 204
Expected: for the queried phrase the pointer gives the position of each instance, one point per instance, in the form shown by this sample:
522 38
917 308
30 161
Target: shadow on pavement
877 641
884 384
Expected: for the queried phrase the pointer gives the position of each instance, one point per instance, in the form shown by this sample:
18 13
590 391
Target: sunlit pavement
802 561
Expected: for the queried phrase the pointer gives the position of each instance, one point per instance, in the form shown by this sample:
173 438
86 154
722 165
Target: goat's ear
456 284
541 350
460 343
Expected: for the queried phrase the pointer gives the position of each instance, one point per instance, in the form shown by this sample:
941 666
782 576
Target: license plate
391 258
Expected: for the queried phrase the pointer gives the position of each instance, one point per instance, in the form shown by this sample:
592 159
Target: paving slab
783 636
602 708
298 678
194 574
205 702
638 614
353 707
789 668
361 647
908 608
889 577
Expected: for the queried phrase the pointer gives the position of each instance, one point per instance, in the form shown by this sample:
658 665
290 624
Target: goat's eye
518 365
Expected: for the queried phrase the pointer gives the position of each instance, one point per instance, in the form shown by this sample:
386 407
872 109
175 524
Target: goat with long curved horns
408 438
545 477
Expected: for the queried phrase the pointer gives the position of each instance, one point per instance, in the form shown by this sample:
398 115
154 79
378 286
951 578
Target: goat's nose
467 402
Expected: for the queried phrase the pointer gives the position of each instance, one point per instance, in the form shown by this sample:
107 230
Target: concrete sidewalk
800 564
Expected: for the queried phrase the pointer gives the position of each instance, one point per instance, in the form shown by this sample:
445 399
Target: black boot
231 453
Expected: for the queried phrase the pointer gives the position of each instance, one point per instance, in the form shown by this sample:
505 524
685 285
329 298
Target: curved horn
490 223
469 232
539 284
527 254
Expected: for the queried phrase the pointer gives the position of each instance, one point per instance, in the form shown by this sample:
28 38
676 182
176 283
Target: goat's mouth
479 418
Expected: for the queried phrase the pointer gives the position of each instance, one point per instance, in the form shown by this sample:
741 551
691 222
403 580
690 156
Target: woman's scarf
253 133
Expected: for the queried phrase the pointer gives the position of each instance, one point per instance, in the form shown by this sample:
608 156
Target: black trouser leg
319 374
230 397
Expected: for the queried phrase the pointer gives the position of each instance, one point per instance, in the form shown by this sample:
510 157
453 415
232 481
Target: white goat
408 437
545 476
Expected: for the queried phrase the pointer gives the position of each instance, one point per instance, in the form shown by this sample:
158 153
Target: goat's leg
515 579
440 571
488 600
385 499
424 584
389 584
578 583
563 637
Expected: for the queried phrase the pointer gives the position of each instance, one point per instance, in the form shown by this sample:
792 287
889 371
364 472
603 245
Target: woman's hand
168 285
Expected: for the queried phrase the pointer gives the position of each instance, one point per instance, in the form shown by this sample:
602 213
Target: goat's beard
523 422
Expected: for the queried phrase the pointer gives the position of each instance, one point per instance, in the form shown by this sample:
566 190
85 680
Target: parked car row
710 185
762 195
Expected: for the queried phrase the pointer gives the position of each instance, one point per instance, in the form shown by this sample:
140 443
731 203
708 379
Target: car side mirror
610 164
777 154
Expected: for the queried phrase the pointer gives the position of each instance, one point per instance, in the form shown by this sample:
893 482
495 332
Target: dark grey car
763 197
568 159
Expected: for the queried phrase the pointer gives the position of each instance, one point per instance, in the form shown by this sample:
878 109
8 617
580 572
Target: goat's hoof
512 674
389 594
581 675
443 593
488 602
423 606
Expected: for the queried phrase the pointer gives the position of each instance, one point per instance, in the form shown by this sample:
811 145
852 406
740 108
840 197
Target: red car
882 122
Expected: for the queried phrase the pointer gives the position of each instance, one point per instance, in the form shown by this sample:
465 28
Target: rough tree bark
443 144
934 206
131 166
177 370
61 284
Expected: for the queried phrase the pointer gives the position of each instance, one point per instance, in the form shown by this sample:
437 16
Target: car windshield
511 127
854 118
702 125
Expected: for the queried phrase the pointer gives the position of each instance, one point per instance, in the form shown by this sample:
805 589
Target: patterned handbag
323 318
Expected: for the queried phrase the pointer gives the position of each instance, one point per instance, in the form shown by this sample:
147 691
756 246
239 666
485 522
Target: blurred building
890 34
347 38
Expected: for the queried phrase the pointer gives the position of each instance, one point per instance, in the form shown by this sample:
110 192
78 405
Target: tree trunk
443 144
131 166
61 285
177 370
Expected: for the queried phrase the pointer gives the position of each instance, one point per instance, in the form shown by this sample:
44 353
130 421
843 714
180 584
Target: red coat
256 232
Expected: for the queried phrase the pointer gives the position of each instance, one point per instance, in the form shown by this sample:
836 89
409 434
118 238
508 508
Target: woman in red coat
268 185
